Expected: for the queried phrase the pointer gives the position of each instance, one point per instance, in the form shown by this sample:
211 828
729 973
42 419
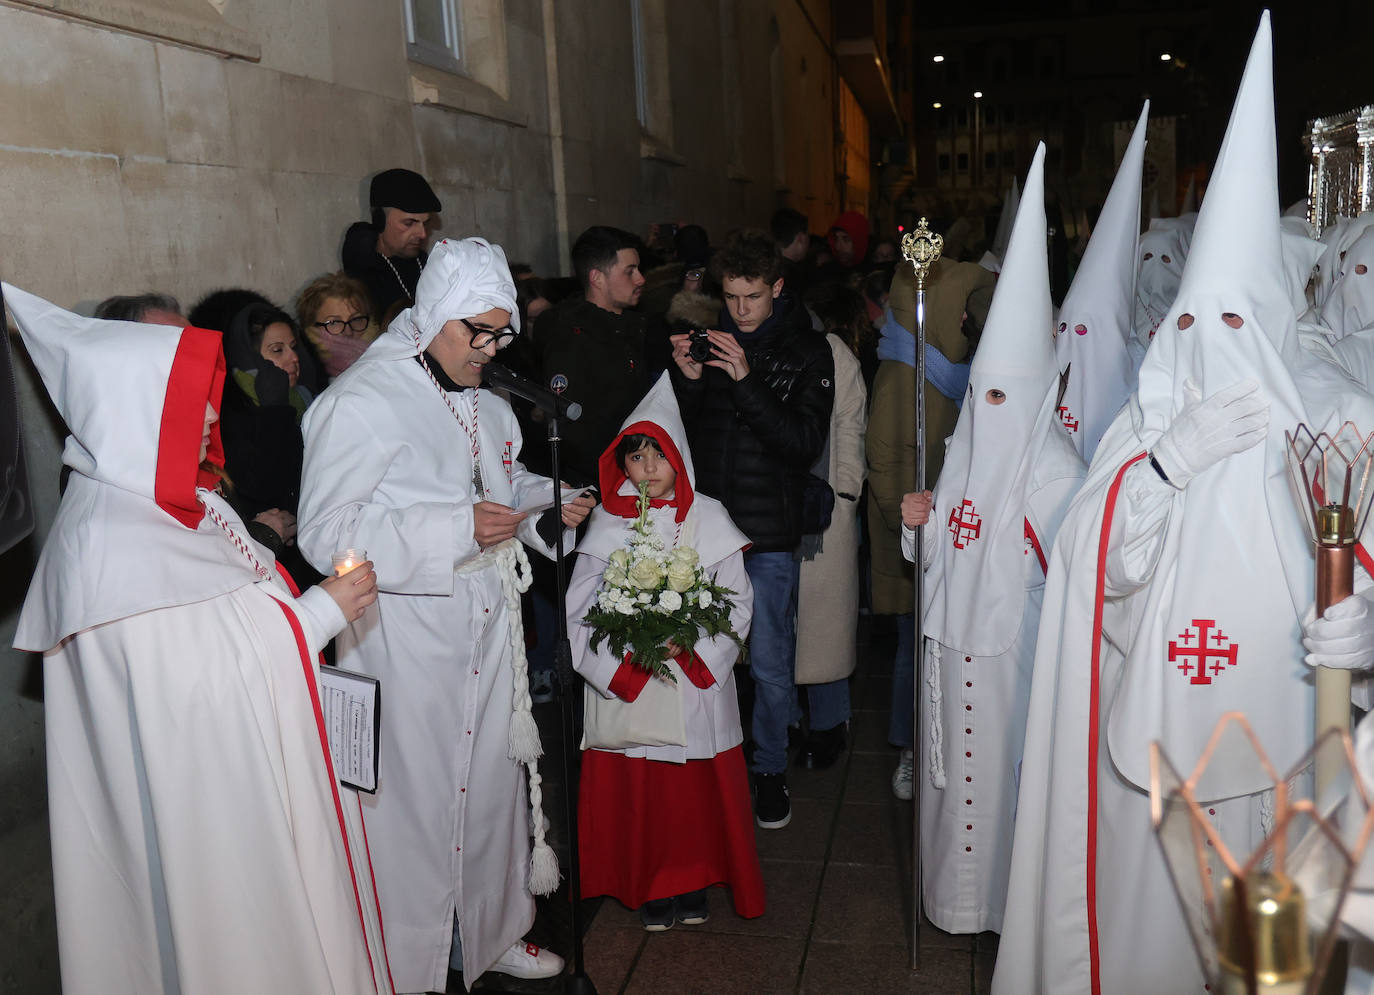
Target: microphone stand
576 983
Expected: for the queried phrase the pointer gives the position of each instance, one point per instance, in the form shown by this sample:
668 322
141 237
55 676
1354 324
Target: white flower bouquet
651 595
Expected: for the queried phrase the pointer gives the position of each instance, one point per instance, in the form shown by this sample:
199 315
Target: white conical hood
1350 306
1236 554
980 498
1022 298
1095 322
658 416
1189 204
1010 207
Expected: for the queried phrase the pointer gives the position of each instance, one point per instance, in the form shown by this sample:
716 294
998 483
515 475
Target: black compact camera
699 345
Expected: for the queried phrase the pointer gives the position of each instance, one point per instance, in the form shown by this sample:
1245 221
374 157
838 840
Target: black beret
404 190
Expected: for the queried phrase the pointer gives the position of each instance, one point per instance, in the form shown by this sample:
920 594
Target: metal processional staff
921 247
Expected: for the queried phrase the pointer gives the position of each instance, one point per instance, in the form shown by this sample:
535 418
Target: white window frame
449 57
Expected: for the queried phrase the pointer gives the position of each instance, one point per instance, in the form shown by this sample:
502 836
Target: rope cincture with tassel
523 744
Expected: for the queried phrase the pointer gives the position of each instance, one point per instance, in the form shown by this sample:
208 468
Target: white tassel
544 874
524 745
937 724
522 740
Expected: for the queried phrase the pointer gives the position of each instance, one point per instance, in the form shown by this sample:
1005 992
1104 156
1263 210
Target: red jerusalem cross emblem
1065 416
1209 643
965 525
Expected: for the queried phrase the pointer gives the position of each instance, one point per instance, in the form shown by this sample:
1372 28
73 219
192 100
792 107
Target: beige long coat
828 595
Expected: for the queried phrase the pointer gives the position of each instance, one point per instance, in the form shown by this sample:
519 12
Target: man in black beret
388 252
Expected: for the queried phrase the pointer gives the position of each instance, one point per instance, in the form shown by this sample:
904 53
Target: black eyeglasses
483 337
335 326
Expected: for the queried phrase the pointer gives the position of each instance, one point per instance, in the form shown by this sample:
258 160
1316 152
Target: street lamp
937 58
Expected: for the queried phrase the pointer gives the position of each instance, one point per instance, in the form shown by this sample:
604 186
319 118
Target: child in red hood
662 822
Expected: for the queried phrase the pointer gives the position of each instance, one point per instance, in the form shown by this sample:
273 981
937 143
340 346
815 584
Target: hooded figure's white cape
200 839
1166 608
389 469
1008 476
1092 338
710 716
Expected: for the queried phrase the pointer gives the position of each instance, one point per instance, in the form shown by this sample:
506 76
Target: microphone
496 375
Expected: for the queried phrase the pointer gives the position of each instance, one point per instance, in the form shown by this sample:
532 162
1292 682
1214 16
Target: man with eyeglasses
407 459
387 253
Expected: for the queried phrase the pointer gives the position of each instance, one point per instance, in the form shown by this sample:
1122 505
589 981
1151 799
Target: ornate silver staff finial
921 247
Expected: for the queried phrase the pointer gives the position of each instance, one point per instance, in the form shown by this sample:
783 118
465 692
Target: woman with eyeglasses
334 314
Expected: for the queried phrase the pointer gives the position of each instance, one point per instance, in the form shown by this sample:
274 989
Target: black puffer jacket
754 440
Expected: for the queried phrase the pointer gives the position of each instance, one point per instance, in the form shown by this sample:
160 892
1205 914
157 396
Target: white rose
621 558
670 600
614 576
645 574
681 576
685 555
704 598
626 607
644 598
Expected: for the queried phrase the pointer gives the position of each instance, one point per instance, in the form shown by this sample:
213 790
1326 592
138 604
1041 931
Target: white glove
1206 432
1343 637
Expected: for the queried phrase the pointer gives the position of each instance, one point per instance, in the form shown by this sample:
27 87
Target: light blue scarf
950 379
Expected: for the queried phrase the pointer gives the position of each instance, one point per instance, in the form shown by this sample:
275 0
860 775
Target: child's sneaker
902 777
658 915
772 808
692 908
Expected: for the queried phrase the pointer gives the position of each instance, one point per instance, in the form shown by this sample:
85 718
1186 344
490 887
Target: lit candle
346 559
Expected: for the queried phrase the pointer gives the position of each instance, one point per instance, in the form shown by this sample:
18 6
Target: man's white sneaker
901 777
528 960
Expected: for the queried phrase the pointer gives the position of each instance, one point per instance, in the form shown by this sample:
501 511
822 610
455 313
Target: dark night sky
1321 61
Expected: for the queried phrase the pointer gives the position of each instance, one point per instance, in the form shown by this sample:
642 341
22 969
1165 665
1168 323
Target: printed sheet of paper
545 502
352 715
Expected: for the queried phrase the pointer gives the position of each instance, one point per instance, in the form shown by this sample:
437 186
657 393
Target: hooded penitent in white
1163 250
664 820
394 464
200 841
1008 476
1094 330
1337 238
992 259
1350 306
1167 607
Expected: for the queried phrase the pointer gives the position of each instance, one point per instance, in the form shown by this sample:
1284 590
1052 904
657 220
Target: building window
433 33
989 160
942 162
653 96
1008 158
963 117
963 162
990 114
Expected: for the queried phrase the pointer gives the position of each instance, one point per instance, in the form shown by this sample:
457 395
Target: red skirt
651 829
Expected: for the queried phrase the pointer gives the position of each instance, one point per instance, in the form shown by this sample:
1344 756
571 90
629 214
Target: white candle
346 559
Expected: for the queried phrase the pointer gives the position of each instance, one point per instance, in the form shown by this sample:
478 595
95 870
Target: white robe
966 825
388 469
711 716
252 888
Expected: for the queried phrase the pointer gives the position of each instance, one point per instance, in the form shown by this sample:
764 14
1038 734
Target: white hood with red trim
706 527
131 534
